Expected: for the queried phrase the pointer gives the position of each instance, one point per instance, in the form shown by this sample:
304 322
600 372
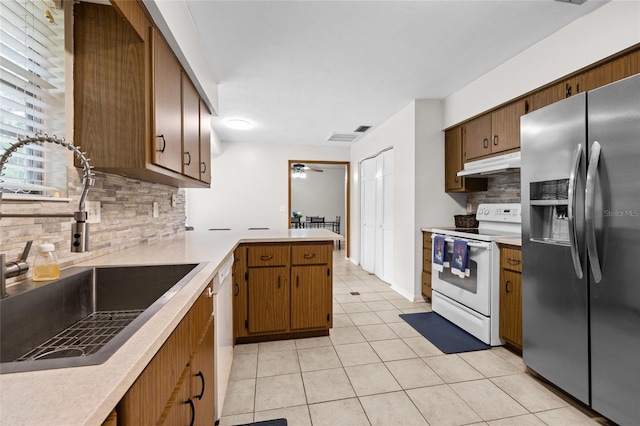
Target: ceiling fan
301 168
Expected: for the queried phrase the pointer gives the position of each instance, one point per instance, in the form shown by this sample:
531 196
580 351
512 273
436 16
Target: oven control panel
508 212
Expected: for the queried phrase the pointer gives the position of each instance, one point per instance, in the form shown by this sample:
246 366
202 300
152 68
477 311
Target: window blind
32 96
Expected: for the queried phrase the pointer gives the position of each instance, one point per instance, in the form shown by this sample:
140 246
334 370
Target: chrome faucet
79 229
13 268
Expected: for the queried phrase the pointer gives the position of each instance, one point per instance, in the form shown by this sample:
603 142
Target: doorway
320 189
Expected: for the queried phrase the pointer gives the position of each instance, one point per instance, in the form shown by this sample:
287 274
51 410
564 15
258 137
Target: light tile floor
374 369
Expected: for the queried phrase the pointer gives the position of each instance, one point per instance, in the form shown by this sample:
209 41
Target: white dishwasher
223 320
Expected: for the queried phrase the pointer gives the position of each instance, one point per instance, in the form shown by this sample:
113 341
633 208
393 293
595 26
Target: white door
376 248
368 214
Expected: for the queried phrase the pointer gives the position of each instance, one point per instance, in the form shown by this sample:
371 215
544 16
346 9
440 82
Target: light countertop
86 395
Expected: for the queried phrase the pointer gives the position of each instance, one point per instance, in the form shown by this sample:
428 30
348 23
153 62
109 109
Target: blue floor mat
446 336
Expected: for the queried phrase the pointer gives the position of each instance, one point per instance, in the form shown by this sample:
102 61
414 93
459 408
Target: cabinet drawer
426 260
426 284
511 258
268 255
310 254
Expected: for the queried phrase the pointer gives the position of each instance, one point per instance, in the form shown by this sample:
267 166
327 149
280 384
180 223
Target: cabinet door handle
266 257
203 169
278 281
495 140
506 287
513 261
164 143
209 291
188 163
309 255
237 289
485 143
193 411
199 374
297 280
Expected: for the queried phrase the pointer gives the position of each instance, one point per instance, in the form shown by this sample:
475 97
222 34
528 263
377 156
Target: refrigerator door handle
590 195
573 239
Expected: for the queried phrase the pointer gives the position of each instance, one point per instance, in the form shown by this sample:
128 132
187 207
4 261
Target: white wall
321 194
602 33
419 199
250 185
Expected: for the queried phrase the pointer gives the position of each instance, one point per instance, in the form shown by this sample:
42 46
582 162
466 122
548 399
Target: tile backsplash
126 218
503 188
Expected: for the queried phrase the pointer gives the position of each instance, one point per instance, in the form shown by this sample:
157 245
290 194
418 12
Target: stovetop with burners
494 221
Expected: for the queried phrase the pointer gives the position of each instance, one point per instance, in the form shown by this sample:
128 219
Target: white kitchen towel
440 254
460 261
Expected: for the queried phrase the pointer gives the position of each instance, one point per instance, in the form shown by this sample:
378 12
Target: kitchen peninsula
87 395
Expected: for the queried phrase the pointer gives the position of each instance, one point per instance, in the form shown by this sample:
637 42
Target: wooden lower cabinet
268 299
282 289
311 295
426 264
177 386
511 295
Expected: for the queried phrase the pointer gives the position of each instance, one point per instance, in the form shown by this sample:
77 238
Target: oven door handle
474 244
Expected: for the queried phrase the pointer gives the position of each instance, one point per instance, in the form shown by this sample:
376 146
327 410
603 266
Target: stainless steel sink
83 317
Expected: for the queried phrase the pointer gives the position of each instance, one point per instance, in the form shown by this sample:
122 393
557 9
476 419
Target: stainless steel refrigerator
580 181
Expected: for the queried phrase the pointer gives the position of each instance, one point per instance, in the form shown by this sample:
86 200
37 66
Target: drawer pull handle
278 281
193 411
513 261
266 257
309 255
297 280
164 143
506 287
237 289
199 374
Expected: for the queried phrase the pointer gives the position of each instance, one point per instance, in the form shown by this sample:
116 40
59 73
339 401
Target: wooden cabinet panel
167 108
311 295
202 379
181 410
626 66
477 137
511 259
511 307
311 254
454 162
200 314
205 142
190 129
505 127
268 298
597 77
547 96
427 256
268 255
511 295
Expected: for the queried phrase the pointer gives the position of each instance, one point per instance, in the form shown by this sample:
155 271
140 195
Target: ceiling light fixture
238 124
297 171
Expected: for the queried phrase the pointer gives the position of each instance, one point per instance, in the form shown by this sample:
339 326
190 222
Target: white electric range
473 303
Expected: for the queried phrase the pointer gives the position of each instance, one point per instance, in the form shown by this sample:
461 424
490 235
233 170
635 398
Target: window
32 96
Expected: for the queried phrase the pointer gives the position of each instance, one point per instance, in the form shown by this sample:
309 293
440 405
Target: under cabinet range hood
492 165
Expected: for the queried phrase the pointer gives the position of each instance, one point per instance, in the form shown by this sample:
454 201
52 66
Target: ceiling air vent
342 137
362 129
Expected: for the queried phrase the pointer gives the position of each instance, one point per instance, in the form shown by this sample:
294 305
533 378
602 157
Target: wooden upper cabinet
127 95
494 132
167 108
547 96
505 127
626 66
190 129
205 143
454 162
477 134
